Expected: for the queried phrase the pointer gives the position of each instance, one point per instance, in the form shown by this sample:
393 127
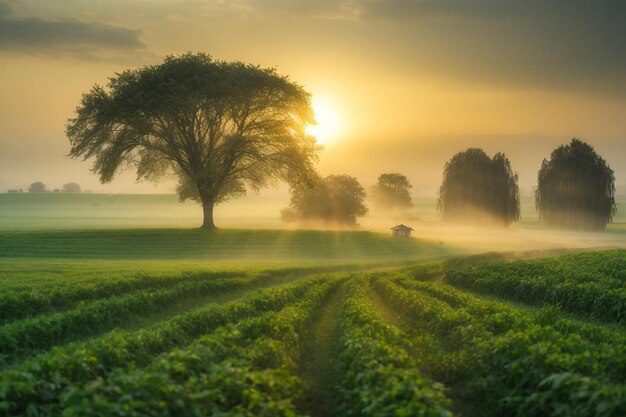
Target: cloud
88 40
567 45
555 45
280 8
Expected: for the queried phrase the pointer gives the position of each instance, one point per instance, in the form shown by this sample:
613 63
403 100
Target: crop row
377 377
39 383
45 331
16 305
60 293
547 315
510 363
593 285
247 369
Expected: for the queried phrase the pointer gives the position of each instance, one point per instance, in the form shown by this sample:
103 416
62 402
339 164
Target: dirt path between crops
317 352
392 317
388 314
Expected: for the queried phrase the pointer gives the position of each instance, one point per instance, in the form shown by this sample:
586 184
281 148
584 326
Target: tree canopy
37 187
336 199
71 187
575 188
391 191
221 127
477 188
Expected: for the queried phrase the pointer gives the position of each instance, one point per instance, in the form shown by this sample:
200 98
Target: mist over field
54 211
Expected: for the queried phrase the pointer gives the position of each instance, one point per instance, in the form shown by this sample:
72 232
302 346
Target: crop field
591 284
477 336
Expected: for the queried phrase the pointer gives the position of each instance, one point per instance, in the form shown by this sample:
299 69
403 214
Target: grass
234 246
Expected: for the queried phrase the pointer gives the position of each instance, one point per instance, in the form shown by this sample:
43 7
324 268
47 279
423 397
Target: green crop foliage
247 369
15 305
375 374
162 339
40 381
511 362
588 284
45 331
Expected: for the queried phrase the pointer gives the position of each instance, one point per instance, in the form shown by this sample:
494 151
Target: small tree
71 187
219 126
477 188
392 192
575 188
37 187
337 199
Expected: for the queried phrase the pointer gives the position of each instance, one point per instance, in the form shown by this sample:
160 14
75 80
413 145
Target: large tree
575 188
336 199
391 191
220 126
477 188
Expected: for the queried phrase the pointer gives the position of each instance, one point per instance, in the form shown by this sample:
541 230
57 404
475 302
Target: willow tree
477 188
575 188
221 127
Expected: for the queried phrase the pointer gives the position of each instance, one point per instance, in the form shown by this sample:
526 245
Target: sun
327 127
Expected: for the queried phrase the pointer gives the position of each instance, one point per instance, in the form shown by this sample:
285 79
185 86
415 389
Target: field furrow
16 305
374 373
42 332
41 381
244 369
503 361
317 349
590 285
24 338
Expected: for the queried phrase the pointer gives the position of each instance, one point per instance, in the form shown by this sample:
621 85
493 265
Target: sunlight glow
328 126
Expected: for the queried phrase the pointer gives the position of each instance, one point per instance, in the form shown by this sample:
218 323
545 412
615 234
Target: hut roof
402 227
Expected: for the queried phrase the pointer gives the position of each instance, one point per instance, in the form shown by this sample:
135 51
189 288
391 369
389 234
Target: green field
101 315
138 323
264 246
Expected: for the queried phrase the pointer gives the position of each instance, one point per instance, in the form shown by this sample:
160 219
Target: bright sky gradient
409 83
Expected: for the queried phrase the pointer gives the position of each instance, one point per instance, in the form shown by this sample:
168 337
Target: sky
401 84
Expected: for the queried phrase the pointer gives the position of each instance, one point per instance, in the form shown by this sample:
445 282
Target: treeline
340 199
575 189
40 187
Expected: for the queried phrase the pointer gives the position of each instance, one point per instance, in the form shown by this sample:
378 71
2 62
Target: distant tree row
575 189
40 187
340 199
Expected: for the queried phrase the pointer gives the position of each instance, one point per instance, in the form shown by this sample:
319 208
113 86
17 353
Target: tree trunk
207 209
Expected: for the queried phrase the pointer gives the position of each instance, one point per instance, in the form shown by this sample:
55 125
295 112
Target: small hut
402 231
